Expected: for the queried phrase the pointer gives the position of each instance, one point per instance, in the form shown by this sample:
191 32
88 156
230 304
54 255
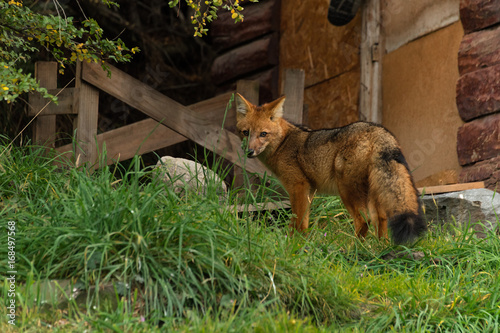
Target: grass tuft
117 250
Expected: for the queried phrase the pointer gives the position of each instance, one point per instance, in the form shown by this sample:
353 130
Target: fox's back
345 153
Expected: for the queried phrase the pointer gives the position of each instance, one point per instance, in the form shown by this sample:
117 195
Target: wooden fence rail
169 122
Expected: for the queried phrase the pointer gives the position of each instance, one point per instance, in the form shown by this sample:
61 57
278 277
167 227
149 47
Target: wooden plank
405 21
479 14
260 19
371 56
333 103
310 42
248 58
293 88
450 188
147 135
479 139
86 103
64 105
174 115
44 130
478 93
249 90
213 110
479 50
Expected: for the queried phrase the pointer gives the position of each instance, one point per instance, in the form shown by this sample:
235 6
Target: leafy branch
205 11
24 33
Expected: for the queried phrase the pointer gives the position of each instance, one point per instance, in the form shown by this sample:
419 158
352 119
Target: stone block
478 209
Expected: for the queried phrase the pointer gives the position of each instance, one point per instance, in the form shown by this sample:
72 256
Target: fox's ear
242 105
277 108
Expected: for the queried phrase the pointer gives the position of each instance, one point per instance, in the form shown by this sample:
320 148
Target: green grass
118 251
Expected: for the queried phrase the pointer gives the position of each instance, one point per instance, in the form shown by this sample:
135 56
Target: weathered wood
450 188
405 21
86 103
310 42
479 14
479 139
333 103
268 84
293 88
478 93
64 103
478 50
487 170
249 89
371 55
256 55
443 177
148 135
259 19
44 130
174 115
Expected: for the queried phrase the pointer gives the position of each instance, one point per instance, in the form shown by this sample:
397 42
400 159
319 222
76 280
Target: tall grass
118 250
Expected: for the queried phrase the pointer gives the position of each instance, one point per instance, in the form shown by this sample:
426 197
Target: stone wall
478 92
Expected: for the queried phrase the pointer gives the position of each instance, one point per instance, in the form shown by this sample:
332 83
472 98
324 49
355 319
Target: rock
187 175
467 207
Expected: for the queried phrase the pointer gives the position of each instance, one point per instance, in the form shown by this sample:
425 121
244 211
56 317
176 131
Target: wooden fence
169 122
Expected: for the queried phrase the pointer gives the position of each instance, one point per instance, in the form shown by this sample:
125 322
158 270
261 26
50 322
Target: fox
361 162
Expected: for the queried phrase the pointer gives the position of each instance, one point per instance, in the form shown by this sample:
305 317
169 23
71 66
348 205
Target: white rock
187 175
479 208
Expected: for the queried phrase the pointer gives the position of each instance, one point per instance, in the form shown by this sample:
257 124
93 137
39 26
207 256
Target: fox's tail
406 227
399 198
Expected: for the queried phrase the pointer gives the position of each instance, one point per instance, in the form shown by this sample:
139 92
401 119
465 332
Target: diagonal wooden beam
174 115
147 135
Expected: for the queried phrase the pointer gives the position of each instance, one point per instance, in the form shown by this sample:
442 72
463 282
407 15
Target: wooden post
293 88
44 131
86 102
371 60
250 90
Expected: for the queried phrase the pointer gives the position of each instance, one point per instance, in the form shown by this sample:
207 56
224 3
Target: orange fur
361 162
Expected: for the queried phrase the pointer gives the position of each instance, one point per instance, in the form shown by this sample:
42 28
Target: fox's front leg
300 200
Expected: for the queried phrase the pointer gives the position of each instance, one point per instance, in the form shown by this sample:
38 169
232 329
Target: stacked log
248 49
478 92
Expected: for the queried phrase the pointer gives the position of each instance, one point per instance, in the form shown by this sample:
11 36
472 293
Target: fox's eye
245 133
263 134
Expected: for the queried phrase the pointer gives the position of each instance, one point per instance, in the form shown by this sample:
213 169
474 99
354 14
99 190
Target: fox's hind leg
378 218
360 223
300 199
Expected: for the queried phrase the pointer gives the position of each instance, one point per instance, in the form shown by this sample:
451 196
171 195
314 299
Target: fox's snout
250 153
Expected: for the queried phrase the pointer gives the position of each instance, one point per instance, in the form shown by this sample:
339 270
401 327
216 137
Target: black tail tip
407 227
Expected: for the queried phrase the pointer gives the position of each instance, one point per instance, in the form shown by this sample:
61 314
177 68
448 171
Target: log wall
248 49
478 92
